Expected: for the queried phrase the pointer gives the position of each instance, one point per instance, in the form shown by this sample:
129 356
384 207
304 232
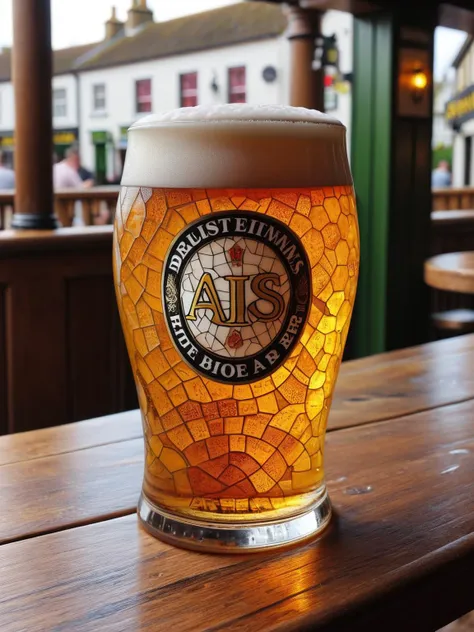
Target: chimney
138 14
113 26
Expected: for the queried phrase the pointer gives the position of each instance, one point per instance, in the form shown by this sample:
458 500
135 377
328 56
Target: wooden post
391 165
306 84
32 72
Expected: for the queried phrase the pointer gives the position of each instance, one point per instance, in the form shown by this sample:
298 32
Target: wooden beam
455 14
306 83
32 72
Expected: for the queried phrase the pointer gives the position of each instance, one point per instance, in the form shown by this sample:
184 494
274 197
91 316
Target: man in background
66 173
441 176
7 175
66 176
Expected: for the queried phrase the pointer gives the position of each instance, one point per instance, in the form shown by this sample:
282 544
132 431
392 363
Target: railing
62 354
87 207
97 205
453 199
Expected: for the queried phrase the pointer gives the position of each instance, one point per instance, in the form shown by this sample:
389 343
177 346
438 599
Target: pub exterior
460 114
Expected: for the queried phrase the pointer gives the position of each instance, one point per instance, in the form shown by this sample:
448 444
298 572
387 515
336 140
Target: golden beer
236 254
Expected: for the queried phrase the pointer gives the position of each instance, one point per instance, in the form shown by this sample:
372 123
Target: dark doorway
467 160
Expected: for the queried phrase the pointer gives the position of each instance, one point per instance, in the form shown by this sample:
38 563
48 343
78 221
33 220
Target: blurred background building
234 54
460 114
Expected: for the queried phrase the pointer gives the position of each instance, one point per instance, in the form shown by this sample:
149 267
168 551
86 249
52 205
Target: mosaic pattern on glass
223 447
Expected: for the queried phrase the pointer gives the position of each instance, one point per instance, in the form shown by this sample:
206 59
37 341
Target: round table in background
453 272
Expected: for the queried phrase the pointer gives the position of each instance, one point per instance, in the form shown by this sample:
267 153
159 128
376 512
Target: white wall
69 83
458 160
255 56
442 131
7 104
7 107
341 24
164 73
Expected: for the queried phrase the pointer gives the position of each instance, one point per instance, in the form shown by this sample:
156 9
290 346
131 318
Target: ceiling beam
457 14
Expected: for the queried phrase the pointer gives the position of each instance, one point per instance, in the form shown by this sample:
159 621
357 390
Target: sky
82 21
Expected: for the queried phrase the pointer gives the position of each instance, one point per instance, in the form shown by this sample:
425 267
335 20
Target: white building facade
238 53
254 70
460 114
65 102
443 133
211 71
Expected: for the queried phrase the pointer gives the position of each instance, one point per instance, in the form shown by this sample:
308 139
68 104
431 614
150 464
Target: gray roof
233 24
65 60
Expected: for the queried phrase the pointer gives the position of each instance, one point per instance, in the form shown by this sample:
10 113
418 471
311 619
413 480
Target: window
237 91
98 97
143 95
188 89
59 102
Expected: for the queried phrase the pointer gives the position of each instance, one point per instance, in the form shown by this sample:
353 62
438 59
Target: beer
236 254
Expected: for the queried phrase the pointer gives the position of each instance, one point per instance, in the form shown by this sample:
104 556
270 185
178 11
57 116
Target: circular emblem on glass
236 290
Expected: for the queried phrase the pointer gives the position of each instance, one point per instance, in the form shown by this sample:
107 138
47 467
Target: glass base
234 538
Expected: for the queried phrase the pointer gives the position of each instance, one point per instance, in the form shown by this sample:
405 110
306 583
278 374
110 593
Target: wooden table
453 272
448 218
399 555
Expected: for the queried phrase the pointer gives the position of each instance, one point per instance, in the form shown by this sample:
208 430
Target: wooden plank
70 437
110 475
403 382
92 334
78 238
371 389
397 555
54 282
69 489
448 218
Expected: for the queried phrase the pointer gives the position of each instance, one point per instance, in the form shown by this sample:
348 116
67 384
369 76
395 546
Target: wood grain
32 65
393 559
453 197
70 437
92 323
61 335
27 241
369 390
403 382
60 491
452 271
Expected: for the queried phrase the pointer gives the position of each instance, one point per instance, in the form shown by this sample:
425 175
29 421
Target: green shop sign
101 138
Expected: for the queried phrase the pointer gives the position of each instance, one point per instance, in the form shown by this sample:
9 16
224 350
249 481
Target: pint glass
236 254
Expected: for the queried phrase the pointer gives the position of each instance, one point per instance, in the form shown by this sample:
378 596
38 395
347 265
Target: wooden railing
97 205
453 199
88 207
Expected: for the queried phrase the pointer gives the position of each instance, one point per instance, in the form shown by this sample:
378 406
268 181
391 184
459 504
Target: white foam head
237 146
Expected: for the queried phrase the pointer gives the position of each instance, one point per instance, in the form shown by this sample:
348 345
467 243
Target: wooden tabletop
399 554
447 218
453 272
